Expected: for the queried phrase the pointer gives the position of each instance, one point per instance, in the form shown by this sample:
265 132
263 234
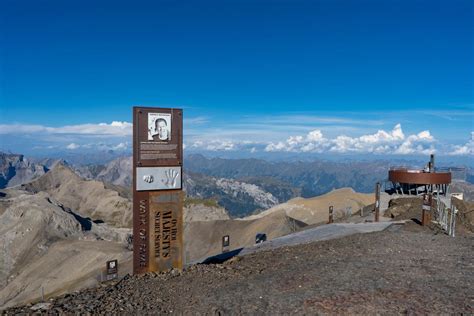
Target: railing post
452 226
426 209
377 201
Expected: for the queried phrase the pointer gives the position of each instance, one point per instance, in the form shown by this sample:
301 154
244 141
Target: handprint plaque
158 178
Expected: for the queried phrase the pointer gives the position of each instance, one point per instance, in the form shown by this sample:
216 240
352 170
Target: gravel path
404 269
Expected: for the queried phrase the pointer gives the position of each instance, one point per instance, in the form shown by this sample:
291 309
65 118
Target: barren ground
405 269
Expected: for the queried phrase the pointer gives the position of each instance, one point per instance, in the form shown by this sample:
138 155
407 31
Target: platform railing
445 214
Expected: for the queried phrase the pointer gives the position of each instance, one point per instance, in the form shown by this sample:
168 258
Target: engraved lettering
142 248
142 212
174 229
166 242
157 234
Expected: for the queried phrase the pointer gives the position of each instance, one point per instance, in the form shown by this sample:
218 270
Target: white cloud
381 142
72 146
249 135
315 136
121 146
215 145
199 120
280 146
116 128
417 144
314 141
464 150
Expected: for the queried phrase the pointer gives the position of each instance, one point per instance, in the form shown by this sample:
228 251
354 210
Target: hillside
204 238
388 272
315 210
45 244
88 197
16 169
466 188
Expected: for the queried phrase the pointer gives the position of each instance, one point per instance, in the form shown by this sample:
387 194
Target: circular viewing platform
419 177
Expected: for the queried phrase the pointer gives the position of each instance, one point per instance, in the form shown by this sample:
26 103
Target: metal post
331 218
452 225
42 294
377 201
454 221
426 209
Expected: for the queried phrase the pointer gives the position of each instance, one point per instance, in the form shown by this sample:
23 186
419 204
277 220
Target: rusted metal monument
157 189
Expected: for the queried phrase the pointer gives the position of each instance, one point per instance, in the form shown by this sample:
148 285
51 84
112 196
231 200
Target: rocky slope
238 198
90 198
16 169
57 232
44 244
466 188
197 210
315 210
204 238
118 172
404 270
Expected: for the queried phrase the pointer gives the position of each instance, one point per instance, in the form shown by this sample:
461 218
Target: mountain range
241 186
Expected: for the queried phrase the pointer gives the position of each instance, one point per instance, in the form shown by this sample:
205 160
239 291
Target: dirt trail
405 269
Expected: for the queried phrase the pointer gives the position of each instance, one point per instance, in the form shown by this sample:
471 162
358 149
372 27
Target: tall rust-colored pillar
157 189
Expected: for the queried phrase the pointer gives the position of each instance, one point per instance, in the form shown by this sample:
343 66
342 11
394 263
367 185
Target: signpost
157 189
225 243
112 269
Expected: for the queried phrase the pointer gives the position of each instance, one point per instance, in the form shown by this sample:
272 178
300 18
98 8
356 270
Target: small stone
41 306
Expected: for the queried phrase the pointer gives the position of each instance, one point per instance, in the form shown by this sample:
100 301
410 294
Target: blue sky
384 77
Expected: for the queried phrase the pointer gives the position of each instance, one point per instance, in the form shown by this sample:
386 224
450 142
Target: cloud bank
117 136
394 142
115 128
381 142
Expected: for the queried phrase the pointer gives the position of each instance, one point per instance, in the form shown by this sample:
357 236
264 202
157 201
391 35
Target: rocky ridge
87 197
16 169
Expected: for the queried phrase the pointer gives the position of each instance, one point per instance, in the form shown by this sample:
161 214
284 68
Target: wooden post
331 214
426 209
377 201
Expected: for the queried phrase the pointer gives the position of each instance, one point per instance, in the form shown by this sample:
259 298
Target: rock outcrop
16 169
89 198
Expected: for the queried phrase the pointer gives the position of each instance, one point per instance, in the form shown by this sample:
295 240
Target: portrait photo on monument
159 126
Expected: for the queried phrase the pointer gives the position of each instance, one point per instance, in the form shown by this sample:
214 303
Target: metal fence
445 214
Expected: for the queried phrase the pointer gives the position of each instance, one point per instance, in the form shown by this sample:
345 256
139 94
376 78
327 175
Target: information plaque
157 189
